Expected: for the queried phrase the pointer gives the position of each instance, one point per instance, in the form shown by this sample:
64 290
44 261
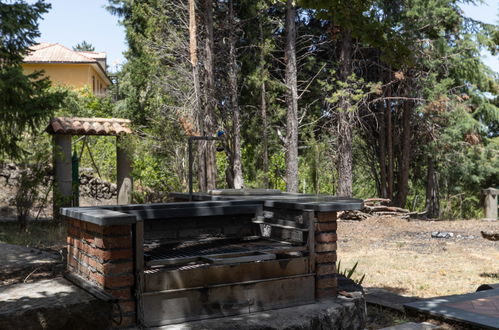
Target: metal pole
190 169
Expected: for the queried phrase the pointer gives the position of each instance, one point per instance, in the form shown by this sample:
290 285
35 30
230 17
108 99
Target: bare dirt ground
402 257
41 234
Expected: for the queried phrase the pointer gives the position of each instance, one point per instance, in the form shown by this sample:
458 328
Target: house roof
54 53
45 52
88 126
94 55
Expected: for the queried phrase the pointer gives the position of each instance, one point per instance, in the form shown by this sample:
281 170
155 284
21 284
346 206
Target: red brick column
325 255
103 256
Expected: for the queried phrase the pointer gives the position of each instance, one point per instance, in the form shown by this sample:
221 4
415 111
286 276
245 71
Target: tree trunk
265 143
389 146
345 122
382 153
403 182
209 85
198 110
432 199
236 125
263 108
291 100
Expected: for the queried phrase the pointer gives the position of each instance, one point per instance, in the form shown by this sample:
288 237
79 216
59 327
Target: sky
488 12
69 22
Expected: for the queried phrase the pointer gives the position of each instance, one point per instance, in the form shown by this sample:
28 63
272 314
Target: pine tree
84 47
25 100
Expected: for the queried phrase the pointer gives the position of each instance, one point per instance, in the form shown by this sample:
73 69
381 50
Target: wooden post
62 173
124 173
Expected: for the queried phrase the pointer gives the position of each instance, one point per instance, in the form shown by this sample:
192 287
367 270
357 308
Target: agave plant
348 273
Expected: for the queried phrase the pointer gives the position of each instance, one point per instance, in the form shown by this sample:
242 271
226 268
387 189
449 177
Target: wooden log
387 209
376 200
392 214
353 215
491 236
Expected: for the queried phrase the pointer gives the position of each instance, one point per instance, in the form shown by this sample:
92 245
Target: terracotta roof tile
55 53
95 55
89 126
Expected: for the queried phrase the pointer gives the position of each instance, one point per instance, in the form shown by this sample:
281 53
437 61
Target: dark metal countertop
320 203
227 203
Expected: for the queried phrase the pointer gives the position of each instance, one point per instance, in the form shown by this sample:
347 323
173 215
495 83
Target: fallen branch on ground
375 207
491 236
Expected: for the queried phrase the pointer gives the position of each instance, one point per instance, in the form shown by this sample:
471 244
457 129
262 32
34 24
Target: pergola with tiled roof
89 126
62 129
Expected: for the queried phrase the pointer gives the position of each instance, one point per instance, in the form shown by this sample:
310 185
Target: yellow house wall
100 84
75 76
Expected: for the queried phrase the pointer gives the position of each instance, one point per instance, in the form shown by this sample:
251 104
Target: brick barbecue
175 262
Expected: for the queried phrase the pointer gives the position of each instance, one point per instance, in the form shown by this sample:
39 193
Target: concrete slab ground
479 309
387 299
339 313
51 304
18 257
414 326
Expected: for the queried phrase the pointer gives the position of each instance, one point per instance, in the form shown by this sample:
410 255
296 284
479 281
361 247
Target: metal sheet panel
176 306
222 274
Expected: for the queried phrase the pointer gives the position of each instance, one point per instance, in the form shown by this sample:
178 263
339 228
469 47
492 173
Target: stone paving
486 306
479 309
387 299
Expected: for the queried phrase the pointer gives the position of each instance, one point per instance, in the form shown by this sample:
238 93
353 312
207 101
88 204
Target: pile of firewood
378 207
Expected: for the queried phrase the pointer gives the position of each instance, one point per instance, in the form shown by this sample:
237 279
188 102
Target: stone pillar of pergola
62 129
490 203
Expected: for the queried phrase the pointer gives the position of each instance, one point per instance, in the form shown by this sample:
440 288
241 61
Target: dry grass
40 234
44 235
401 256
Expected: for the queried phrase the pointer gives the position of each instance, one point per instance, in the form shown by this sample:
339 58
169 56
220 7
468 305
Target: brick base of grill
339 313
289 259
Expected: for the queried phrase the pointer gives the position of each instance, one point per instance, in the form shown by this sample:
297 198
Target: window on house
93 84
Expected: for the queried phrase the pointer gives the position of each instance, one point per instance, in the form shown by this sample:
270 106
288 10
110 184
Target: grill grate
189 251
204 248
